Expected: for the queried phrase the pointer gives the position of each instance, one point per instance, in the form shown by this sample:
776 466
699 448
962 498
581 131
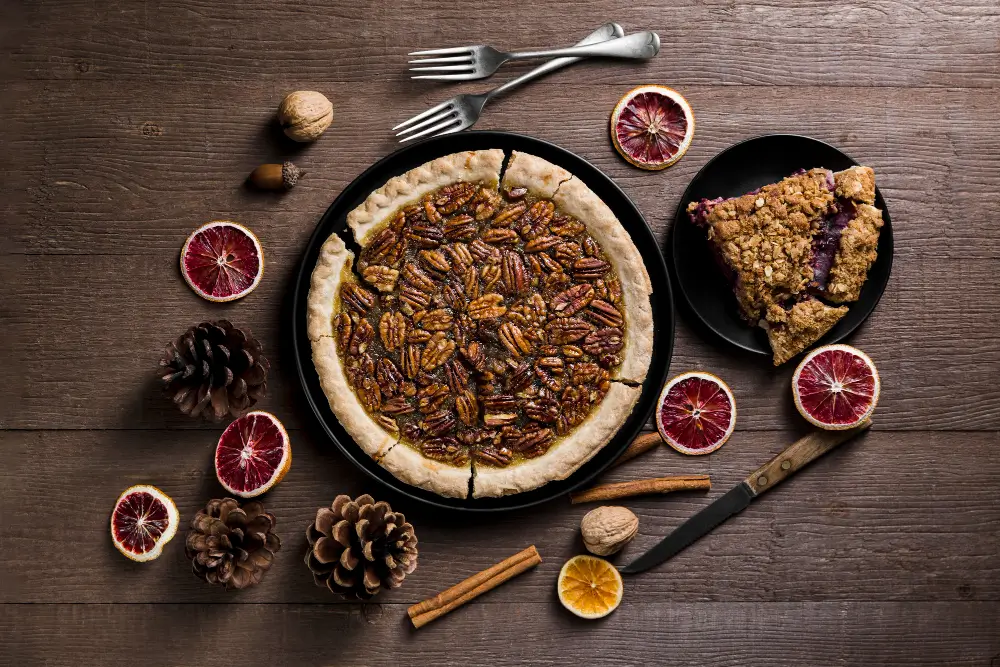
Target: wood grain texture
126 124
880 518
713 634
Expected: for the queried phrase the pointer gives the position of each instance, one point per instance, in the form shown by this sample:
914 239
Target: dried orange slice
143 521
836 387
222 261
590 587
696 413
253 454
652 127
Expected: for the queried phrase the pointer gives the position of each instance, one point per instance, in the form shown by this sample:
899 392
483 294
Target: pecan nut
380 277
487 307
392 328
573 300
357 298
603 341
568 330
438 350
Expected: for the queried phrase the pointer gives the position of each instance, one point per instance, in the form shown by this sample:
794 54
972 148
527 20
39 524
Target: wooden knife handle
798 455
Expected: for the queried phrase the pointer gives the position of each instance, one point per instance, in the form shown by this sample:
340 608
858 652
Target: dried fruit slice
253 454
143 521
590 587
836 387
222 261
696 413
652 126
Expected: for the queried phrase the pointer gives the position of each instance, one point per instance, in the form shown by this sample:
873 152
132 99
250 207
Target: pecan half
370 394
604 313
521 377
453 295
542 243
509 214
544 410
490 274
357 298
439 319
585 372
460 228
467 408
392 328
431 212
438 350
500 236
389 379
567 330
483 251
589 268
410 360
603 341
493 455
515 276
531 442
566 226
475 355
499 418
363 334
513 339
438 423
431 397
387 247
444 449
425 236
397 406
535 221
573 300
461 258
456 375
487 307
554 365
388 423
434 260
453 197
380 277
499 402
416 277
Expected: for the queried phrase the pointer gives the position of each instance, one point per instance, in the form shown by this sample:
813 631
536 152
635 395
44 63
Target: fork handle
607 32
640 46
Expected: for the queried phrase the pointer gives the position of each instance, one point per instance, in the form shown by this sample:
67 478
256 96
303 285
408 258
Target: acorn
282 176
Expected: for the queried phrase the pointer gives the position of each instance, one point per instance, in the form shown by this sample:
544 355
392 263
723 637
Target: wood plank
892 516
863 42
638 633
85 335
102 168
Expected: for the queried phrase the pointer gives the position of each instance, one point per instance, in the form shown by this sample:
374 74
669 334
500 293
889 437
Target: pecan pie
491 335
788 245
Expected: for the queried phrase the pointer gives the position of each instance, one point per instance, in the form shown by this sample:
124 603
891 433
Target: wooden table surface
126 124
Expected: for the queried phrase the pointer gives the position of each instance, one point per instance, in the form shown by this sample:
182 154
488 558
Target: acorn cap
290 174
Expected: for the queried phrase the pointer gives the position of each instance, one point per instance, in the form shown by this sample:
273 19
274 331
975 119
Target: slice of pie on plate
491 334
787 245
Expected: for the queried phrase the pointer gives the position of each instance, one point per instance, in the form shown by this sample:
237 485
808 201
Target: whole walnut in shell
607 529
304 115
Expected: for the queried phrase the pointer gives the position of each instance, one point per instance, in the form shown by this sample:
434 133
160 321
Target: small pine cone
215 369
230 546
357 547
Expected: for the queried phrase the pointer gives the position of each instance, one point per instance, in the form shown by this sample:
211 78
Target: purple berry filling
827 240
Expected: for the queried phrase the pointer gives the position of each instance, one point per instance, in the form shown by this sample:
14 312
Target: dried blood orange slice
253 454
143 521
696 413
589 587
836 387
652 126
222 261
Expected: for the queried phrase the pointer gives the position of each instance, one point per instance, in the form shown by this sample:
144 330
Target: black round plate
335 221
739 169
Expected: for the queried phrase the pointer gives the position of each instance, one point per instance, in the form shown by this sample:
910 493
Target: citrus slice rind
652 127
696 413
590 587
836 387
143 521
253 454
222 261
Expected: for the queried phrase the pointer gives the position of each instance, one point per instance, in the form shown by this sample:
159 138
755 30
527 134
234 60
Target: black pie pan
335 221
739 169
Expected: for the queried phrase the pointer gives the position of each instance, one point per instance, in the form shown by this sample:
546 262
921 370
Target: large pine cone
357 547
230 546
215 369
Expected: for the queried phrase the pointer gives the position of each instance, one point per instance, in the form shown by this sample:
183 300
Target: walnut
304 115
607 529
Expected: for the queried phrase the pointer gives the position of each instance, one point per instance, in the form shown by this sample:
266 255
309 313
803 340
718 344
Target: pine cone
215 369
230 546
357 547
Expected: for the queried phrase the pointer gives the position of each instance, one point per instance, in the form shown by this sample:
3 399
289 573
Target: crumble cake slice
813 233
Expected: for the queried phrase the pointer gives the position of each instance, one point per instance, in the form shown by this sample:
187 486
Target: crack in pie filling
786 246
492 334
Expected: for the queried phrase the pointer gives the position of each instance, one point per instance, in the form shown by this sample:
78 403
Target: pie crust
571 197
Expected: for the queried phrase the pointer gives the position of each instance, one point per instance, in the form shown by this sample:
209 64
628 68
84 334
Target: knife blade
793 458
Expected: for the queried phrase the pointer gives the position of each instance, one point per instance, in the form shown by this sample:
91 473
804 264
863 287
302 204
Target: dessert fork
465 63
462 111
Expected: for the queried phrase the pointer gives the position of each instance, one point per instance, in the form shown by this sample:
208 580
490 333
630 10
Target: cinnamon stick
640 445
430 609
642 487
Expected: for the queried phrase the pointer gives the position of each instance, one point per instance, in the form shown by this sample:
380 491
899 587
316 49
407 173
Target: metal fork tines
465 63
462 111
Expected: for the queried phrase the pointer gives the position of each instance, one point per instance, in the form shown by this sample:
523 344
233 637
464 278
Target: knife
781 467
